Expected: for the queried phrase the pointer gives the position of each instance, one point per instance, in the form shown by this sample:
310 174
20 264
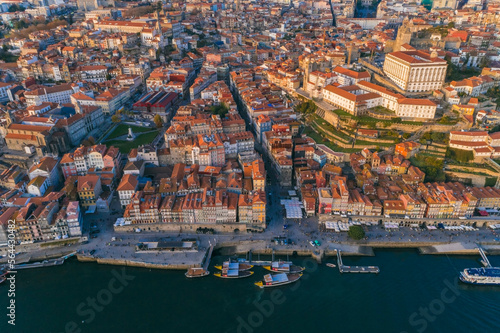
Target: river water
412 293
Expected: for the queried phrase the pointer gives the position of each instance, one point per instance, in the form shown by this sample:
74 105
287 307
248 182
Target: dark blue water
412 293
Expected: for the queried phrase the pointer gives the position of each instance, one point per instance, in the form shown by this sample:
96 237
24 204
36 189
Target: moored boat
275 280
196 272
331 265
283 267
233 274
481 276
234 266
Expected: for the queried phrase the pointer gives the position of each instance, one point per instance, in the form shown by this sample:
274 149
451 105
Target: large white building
60 94
416 108
357 99
350 102
415 71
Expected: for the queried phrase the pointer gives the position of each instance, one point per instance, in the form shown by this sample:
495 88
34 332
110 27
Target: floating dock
354 269
45 263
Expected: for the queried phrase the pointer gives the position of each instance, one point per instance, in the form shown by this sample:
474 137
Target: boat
233 274
196 272
280 279
283 267
331 265
230 265
481 276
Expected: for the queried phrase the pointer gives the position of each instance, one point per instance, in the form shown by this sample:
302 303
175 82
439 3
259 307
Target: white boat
271 280
481 276
331 265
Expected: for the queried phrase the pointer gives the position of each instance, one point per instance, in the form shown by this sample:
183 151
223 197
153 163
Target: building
350 102
47 167
89 189
126 189
60 94
415 71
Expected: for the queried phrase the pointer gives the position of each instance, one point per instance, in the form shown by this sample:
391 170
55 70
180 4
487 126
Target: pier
354 269
209 256
45 263
485 261
264 262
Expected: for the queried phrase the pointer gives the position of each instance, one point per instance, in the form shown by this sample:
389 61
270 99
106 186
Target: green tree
221 110
158 121
356 232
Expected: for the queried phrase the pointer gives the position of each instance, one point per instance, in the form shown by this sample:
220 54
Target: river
412 293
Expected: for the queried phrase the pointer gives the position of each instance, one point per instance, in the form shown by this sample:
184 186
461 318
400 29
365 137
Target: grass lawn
122 129
319 140
342 113
126 146
384 111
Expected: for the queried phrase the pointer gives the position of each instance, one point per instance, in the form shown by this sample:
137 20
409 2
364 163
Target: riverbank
182 261
124 254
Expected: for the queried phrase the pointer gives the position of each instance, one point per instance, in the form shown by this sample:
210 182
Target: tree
115 118
221 110
158 121
356 232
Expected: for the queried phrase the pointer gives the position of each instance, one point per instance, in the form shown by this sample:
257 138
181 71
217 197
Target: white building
126 189
415 71
48 167
60 94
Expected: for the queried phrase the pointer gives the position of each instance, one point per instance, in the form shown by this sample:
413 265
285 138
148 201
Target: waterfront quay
119 248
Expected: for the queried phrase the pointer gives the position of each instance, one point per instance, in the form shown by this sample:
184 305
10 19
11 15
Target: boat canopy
232 272
280 265
280 277
231 265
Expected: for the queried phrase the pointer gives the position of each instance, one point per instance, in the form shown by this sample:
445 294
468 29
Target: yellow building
89 189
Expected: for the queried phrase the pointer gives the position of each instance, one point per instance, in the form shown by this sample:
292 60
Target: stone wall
476 180
407 222
181 227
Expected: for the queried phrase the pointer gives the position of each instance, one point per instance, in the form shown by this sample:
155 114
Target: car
312 243
285 226
317 243
92 252
93 236
95 231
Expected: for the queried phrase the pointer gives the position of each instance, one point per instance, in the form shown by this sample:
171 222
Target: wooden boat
234 266
283 267
331 265
196 272
276 280
233 274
